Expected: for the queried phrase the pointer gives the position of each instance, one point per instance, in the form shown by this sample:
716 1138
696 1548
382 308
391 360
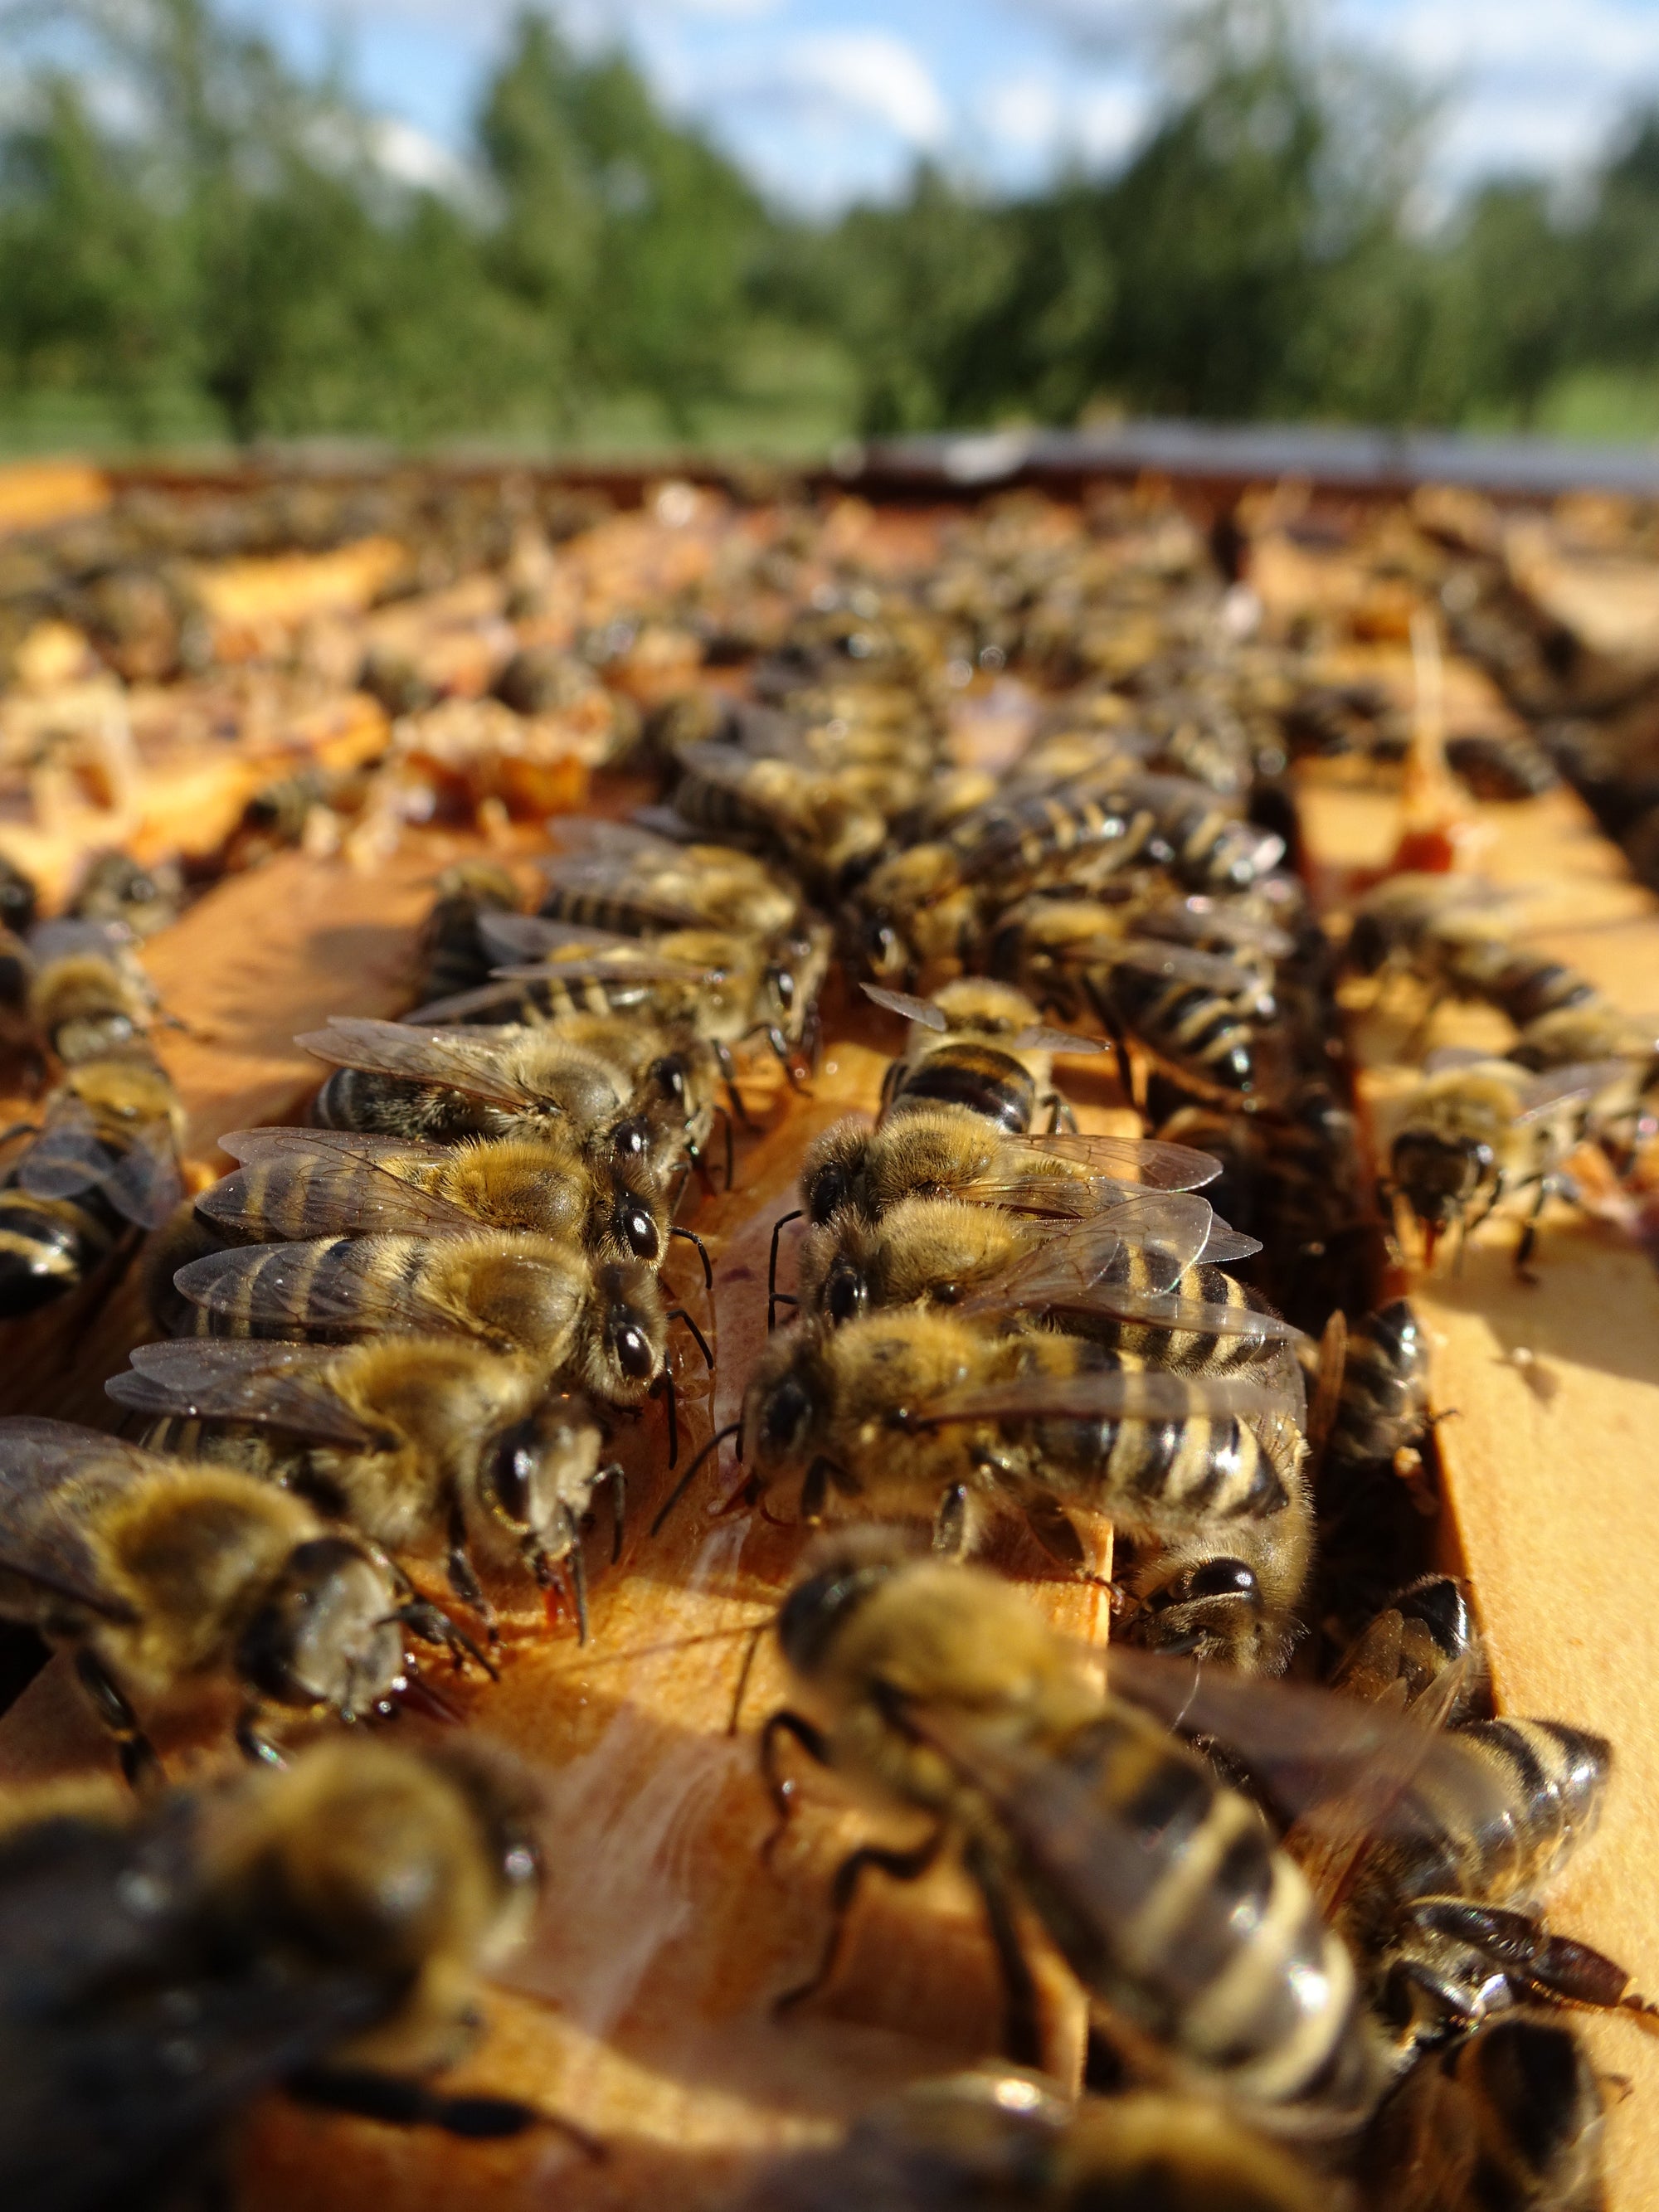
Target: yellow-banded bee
1444 931
88 996
105 1159
940 1691
395 1080
410 1439
1382 1409
1576 1036
1476 1131
980 1047
714 986
1204 1019
1506 2118
115 888
827 825
604 1326
453 955
1007 2136
920 1415
158 1573
324 1929
299 1183
610 876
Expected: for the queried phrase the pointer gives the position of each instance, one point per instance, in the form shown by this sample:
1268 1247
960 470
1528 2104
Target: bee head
833 1169
634 1224
535 1475
841 1576
846 1293
1439 1175
327 1633
1530 2078
786 1401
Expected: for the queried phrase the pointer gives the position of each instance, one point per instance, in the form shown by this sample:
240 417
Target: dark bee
115 888
453 955
1382 1409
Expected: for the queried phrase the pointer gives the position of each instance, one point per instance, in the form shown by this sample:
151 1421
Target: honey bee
715 986
410 1439
1425 1640
918 1414
978 1046
115 888
1007 2136
1382 1409
1204 1018
1574 1036
939 1691
394 1079
296 1184
605 1326
1444 931
324 1929
827 825
1507 2118
157 1573
88 996
106 1158
935 900
1476 1131
1501 764
453 955
611 876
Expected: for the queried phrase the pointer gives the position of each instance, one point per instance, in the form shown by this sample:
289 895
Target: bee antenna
692 1237
679 1313
578 1567
744 1673
679 1490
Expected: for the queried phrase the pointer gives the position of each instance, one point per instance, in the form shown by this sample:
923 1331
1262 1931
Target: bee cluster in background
1021 808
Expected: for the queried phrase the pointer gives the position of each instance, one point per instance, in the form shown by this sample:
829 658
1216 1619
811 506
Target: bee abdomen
48 1246
987 1082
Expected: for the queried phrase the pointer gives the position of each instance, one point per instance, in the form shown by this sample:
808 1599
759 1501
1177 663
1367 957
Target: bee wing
1194 919
1068 1265
50 1471
1213 971
524 937
355 1196
901 1002
641 965
643 890
446 1057
1226 1243
1346 1770
68 1157
1106 1395
270 1288
1041 1038
284 1385
591 840
1448 1056
1566 1086
728 766
69 938
1130 1159
147 1184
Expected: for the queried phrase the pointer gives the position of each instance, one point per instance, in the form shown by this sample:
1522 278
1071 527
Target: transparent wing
1200 919
1041 1038
642 966
900 1002
1130 1159
1568 1086
446 1057
518 937
69 939
647 895
1152 1393
595 842
268 1289
49 1472
140 1179
1226 1243
1169 1230
1181 963
283 1386
337 1183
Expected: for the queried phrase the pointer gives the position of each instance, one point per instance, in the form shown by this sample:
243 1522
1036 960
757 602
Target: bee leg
815 1489
679 1314
139 1764
576 1567
1022 2028
731 1150
664 1388
691 1236
728 1069
779 1045
253 1744
399 2101
1523 1250
900 1866
615 1475
950 1523
434 1625
464 1580
778 1787
1549 1966
776 1298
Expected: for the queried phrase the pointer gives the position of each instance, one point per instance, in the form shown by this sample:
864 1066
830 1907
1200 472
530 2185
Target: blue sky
825 99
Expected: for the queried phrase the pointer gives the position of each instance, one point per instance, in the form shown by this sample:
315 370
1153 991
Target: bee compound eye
639 1233
844 1295
1215 1578
632 1350
631 1140
669 1075
511 1472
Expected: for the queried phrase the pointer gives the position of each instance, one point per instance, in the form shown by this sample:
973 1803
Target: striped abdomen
1533 1790
1202 1037
711 805
1166 1475
1188 1351
1025 839
1183 1915
48 1247
1384 1401
967 1072
381 1105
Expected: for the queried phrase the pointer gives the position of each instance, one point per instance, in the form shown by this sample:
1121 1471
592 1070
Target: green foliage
235 250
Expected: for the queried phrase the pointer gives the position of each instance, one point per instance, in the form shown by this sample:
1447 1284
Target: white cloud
1036 119
869 75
